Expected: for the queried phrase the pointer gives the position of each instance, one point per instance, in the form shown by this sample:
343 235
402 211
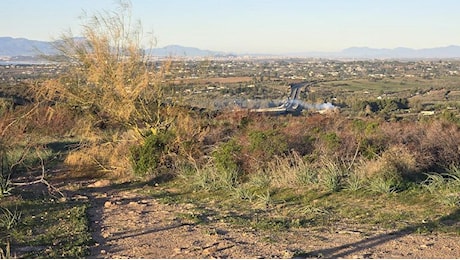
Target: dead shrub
395 165
110 156
442 144
434 144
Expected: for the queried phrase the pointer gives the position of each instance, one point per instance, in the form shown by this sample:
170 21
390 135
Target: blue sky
255 26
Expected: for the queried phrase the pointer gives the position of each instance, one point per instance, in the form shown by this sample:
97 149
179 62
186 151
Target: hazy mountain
177 50
10 47
23 47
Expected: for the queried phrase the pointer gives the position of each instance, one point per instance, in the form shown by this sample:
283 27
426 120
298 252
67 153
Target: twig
19 118
354 157
41 179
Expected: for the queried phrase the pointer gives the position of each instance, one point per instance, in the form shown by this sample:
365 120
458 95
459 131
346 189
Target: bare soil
126 224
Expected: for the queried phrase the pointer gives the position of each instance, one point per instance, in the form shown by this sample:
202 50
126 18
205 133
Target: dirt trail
127 225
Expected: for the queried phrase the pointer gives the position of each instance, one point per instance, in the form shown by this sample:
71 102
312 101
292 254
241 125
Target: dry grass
290 171
110 156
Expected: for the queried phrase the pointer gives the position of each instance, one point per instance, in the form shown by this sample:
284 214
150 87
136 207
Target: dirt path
127 225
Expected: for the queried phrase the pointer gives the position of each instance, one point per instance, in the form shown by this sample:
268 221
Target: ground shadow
102 244
370 242
62 146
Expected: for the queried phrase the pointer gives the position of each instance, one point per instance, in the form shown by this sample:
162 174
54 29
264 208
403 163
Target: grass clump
445 187
331 175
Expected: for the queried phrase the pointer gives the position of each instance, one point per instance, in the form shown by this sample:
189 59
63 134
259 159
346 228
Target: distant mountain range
11 47
177 50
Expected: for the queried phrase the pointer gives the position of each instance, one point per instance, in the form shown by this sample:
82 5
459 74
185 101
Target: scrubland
110 115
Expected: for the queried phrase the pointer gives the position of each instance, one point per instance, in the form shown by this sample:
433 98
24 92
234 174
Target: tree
110 82
110 78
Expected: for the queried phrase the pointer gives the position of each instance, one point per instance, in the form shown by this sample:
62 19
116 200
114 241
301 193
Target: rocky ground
129 225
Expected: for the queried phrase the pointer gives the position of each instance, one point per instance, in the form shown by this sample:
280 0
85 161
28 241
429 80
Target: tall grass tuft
445 187
354 182
291 171
331 174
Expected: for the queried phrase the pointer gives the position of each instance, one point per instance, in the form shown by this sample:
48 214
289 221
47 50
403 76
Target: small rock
99 184
108 204
209 251
103 252
80 197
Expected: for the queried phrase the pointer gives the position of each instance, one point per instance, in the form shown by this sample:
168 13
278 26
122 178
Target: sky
254 26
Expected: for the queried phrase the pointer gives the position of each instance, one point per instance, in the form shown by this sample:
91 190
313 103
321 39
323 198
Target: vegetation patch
29 228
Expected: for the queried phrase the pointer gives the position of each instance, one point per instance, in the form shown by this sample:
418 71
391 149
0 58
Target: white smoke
321 106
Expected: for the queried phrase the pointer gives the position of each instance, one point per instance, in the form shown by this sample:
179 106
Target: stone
100 183
108 204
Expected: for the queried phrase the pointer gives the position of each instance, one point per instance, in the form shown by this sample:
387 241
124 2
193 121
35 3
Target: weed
265 198
5 184
10 219
307 175
381 184
5 174
445 187
354 182
331 175
245 193
261 180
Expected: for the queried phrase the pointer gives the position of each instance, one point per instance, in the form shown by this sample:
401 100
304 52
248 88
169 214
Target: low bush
146 157
226 157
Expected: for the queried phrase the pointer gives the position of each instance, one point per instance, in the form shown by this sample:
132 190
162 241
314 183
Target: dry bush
191 133
110 156
435 144
111 84
442 143
13 125
109 78
396 163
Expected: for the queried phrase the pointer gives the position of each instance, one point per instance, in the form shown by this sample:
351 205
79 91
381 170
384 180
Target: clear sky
255 26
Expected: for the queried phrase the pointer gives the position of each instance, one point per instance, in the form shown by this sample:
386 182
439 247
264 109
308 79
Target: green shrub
225 157
332 140
146 157
266 144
